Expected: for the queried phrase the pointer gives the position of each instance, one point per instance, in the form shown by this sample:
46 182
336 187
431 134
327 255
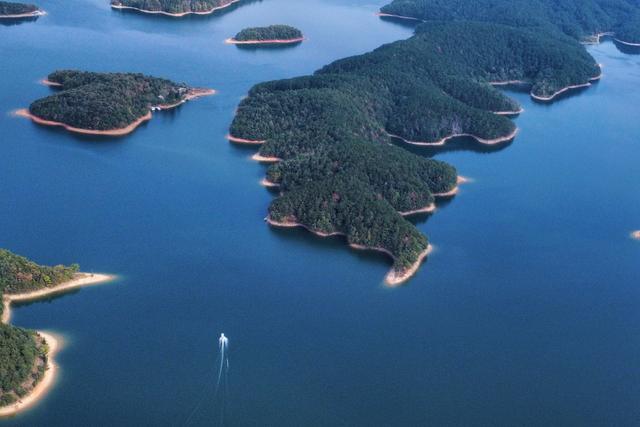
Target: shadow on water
9 22
191 17
45 299
408 23
625 48
281 46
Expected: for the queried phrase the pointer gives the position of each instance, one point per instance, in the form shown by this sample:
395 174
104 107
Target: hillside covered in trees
272 32
105 101
10 8
331 129
23 354
174 6
576 18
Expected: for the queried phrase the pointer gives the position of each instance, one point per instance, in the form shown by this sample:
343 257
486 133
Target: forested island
12 10
111 104
273 34
330 131
175 8
25 366
579 19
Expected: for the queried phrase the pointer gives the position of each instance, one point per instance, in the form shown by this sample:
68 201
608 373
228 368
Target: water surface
527 313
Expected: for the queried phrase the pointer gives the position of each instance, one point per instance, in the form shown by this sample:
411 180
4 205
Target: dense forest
104 101
576 18
174 6
20 348
9 8
332 128
272 32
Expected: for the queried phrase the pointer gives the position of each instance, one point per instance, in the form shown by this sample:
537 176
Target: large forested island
25 366
580 19
330 131
106 103
18 10
175 8
273 34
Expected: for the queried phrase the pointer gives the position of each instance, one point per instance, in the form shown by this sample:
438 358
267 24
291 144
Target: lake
526 313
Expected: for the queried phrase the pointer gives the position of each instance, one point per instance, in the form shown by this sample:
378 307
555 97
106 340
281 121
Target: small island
635 235
173 8
10 10
27 368
273 34
110 104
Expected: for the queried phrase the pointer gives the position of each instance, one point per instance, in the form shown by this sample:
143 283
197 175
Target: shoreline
262 159
84 279
391 15
444 140
45 383
635 235
427 209
509 113
243 141
193 93
460 180
48 82
392 278
627 43
23 112
34 14
266 183
567 88
231 40
173 15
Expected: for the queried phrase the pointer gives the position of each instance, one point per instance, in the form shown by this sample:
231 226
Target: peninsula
583 20
110 104
173 8
10 10
273 34
328 134
27 368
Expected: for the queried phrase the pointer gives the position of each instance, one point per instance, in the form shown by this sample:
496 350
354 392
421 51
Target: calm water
527 314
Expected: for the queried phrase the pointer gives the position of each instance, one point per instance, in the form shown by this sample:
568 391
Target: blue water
527 313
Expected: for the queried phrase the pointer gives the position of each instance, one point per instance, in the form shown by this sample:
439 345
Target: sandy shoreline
390 15
444 140
243 141
568 88
40 389
266 183
509 113
43 385
25 15
48 82
427 209
82 279
173 15
392 278
262 159
271 41
193 93
23 112
627 43
635 235
459 181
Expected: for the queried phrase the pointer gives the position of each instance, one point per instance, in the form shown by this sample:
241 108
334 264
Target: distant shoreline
262 159
243 141
459 181
270 41
45 383
193 94
635 235
567 88
627 43
444 140
33 14
430 208
393 278
173 15
390 15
